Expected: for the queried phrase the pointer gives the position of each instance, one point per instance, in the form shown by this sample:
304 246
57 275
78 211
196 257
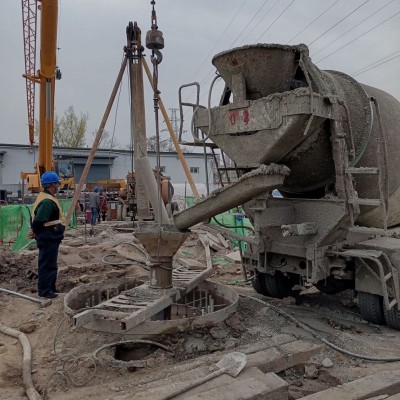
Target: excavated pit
131 354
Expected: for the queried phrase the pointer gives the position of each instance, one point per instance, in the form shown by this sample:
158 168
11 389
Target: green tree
70 130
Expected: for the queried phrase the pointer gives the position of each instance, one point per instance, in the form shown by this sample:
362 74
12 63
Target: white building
107 164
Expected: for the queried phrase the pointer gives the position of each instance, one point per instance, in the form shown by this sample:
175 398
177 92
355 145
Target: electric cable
358 37
69 364
315 19
377 65
252 19
207 57
337 23
355 26
273 22
259 22
218 41
311 330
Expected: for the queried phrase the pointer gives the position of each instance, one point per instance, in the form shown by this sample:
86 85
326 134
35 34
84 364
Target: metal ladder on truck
387 274
382 176
223 171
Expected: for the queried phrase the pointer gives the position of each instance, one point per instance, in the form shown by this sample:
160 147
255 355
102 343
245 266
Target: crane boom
29 23
45 77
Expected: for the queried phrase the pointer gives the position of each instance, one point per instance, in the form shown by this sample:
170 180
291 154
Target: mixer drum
271 82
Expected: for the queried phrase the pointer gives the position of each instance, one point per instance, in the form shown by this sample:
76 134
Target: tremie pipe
160 212
262 180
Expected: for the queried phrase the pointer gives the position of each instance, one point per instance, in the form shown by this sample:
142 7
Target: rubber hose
26 361
311 331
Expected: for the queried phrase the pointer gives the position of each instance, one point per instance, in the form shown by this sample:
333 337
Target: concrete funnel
266 68
161 242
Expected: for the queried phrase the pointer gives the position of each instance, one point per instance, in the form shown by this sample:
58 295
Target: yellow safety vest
42 196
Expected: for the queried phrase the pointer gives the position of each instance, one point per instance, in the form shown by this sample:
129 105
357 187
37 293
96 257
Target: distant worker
103 205
48 226
94 204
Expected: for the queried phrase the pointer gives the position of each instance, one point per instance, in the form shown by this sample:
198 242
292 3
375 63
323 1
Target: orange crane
45 77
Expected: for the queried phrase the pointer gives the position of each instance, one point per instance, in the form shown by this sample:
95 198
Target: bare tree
107 141
69 131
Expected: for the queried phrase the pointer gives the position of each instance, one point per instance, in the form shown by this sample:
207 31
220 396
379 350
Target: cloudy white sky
345 35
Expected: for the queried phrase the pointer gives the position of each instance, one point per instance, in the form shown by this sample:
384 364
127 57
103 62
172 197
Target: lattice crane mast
45 77
29 24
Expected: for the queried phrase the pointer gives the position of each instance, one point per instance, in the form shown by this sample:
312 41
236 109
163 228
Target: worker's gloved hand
31 235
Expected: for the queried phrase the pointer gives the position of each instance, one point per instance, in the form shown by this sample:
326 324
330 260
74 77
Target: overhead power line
376 65
319 16
256 13
375 62
355 26
217 42
358 37
337 23
260 21
276 19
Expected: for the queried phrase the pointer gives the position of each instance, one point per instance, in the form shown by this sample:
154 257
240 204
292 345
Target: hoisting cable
155 42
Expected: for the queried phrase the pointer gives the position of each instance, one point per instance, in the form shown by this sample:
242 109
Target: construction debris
279 366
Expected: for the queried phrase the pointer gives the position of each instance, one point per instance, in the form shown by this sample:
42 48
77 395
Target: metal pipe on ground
42 303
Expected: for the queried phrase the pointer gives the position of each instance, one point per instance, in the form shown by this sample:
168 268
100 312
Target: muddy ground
62 364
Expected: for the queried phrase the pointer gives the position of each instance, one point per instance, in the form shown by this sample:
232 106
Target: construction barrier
234 220
15 223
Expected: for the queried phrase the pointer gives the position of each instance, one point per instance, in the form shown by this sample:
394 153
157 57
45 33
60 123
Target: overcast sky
92 36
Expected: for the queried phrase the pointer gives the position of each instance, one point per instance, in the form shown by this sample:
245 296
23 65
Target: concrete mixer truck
330 145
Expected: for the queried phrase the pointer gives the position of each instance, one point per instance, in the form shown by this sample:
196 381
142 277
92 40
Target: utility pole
174 123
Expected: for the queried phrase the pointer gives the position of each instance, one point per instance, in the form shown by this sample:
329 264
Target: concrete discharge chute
339 139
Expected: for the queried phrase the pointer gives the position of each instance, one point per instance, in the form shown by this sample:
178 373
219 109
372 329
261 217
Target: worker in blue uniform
48 225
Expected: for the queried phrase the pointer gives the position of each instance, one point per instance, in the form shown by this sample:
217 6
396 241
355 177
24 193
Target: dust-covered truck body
339 141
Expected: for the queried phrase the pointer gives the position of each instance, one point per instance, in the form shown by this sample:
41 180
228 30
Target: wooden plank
204 241
223 240
152 309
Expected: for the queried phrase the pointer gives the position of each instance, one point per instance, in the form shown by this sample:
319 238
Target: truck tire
371 308
259 284
392 317
280 286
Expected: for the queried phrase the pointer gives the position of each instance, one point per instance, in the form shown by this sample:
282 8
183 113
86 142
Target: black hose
312 332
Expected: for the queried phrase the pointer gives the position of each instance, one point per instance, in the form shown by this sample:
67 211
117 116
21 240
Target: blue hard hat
49 177
95 189
101 189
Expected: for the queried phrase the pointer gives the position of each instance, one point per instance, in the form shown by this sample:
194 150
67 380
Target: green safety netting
233 219
15 223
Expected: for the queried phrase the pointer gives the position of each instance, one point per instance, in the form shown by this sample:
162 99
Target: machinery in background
127 206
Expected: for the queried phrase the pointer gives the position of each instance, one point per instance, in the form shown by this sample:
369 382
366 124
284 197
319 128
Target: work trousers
93 218
47 267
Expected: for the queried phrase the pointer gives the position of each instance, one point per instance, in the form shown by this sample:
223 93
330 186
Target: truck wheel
371 308
280 286
259 285
392 317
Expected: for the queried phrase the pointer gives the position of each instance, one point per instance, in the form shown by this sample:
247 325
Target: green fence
15 223
234 220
